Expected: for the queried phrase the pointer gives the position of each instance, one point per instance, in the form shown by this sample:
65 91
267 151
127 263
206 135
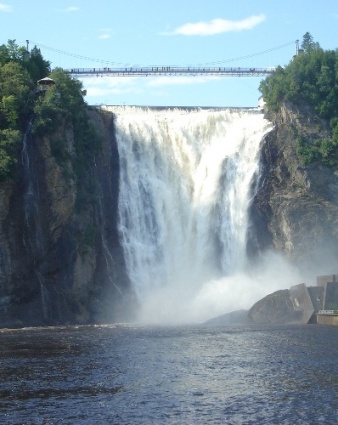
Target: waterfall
33 234
186 179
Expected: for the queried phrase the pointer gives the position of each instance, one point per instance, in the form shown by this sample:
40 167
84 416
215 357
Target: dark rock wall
295 211
117 302
60 263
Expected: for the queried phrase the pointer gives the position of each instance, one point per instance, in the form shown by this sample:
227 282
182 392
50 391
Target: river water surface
125 374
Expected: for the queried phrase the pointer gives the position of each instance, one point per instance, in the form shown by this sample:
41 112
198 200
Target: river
134 374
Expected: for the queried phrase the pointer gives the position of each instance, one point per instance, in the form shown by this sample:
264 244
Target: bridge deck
171 71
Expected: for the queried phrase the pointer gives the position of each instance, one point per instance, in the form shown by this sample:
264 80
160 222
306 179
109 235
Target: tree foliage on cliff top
312 78
18 73
20 102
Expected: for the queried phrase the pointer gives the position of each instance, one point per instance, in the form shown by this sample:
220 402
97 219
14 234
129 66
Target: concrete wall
323 319
330 285
316 294
302 302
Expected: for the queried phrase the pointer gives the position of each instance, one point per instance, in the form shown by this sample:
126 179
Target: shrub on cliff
311 77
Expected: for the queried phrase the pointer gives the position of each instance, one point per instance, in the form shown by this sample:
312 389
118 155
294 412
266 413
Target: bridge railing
171 71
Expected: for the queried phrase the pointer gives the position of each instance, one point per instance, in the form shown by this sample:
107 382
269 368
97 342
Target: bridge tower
298 50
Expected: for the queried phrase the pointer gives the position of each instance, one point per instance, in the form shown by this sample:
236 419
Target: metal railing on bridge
155 71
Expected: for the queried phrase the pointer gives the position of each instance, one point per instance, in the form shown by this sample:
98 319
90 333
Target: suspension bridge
157 71
111 69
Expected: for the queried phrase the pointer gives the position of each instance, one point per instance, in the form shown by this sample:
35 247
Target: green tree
16 52
62 100
36 65
312 78
9 148
16 94
60 104
308 43
4 55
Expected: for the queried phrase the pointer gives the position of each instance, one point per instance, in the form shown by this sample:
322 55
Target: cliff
60 259
295 211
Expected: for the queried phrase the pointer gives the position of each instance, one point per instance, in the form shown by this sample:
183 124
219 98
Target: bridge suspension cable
119 64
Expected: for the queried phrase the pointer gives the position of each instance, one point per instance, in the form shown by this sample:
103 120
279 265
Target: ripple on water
169 375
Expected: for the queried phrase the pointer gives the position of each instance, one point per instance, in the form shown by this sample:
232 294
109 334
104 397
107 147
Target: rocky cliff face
296 209
60 259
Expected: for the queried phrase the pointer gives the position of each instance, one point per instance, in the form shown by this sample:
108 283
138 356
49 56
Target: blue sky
230 33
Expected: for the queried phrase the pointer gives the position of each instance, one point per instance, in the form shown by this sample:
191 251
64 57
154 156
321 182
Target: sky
127 33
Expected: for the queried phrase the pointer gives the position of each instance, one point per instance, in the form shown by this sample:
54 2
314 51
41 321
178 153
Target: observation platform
159 71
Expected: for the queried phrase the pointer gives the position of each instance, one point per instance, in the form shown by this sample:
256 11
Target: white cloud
104 36
68 9
218 26
105 86
5 7
72 9
105 33
178 81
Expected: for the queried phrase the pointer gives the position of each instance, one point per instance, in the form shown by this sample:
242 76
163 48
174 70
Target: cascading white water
186 178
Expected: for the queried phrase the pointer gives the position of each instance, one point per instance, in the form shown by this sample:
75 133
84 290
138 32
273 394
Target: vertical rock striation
296 208
60 259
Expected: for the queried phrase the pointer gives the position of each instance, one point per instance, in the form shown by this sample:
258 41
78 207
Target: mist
196 303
